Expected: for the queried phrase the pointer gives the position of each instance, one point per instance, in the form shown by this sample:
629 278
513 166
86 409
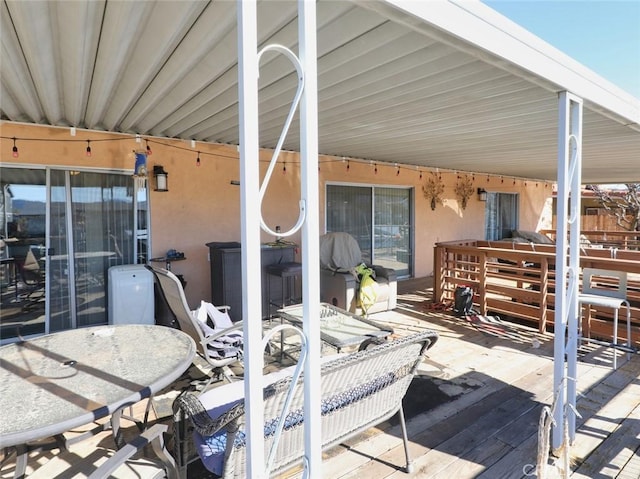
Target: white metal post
575 168
567 263
310 235
250 233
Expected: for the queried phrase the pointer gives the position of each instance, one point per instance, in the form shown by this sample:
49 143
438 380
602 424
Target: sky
603 35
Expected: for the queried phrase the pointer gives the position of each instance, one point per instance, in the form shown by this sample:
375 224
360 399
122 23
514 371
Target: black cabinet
226 275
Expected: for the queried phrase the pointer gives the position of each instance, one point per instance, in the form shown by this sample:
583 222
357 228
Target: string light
348 165
502 179
15 149
375 168
88 147
198 160
488 178
131 137
284 168
420 174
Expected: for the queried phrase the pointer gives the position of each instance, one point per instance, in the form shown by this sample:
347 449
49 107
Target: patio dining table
60 381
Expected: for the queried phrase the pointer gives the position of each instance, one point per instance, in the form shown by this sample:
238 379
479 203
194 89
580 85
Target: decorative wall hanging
140 169
433 189
464 190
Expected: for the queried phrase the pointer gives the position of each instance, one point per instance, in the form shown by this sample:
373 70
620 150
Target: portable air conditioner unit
131 299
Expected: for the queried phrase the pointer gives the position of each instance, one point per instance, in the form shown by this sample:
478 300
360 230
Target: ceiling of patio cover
449 84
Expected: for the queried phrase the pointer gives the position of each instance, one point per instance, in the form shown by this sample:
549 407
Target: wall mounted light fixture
482 194
161 178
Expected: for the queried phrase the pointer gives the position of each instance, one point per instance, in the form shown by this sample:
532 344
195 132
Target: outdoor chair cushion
211 321
218 401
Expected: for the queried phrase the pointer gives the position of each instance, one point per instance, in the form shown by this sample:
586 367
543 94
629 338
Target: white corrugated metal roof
441 84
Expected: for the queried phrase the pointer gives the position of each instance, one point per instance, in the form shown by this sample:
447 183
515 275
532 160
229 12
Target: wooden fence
517 280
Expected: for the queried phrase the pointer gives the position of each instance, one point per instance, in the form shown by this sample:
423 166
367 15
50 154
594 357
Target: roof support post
250 233
567 266
310 236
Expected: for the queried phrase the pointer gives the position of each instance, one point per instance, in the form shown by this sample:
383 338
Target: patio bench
358 391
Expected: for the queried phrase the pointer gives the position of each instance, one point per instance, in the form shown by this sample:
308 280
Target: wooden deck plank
631 469
609 439
596 396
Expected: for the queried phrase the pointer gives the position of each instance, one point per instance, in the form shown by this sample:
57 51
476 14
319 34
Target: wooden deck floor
500 377
473 411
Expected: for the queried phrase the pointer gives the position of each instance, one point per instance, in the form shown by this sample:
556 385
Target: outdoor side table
54 383
338 327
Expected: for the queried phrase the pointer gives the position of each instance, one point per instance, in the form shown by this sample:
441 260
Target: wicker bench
358 390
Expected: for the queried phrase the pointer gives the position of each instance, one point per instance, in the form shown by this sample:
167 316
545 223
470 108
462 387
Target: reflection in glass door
22 252
61 241
92 229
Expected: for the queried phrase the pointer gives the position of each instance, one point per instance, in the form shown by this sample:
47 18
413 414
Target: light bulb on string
348 165
375 168
149 152
284 168
198 160
88 147
420 174
14 150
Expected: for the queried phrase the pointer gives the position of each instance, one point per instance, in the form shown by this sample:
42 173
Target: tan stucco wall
202 206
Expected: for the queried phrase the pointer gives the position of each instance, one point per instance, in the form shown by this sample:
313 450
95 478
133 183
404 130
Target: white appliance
131 299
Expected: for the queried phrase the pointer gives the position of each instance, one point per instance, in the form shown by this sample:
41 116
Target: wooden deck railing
518 280
624 240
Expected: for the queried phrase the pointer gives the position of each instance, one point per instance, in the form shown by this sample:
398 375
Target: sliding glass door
501 215
76 224
22 251
380 218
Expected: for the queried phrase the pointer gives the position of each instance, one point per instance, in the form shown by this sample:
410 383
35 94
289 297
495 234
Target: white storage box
131 299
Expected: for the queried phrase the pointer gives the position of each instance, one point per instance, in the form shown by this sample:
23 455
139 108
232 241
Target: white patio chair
606 289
